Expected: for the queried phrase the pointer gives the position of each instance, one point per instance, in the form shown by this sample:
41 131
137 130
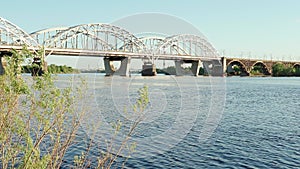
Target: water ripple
259 128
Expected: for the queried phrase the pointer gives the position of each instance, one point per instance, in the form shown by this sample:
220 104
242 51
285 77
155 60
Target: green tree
171 70
257 70
279 69
39 121
236 70
55 69
288 71
296 71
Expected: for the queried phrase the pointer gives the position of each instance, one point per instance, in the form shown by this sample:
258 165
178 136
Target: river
203 122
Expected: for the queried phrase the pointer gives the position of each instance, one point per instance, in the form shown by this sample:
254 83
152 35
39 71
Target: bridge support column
213 67
178 68
149 69
124 68
195 67
109 67
224 64
38 69
122 71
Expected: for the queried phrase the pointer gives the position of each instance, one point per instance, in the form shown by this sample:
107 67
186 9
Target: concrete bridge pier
178 68
195 67
213 67
149 69
224 64
109 67
40 68
124 68
122 71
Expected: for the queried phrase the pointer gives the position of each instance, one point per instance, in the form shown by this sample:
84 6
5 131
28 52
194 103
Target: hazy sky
256 28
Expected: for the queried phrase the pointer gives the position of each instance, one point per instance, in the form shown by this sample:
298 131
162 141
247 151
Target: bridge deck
90 53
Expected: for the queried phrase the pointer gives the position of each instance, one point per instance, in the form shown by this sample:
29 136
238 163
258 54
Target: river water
203 122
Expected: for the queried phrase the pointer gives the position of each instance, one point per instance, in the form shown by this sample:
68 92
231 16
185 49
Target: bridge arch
296 68
241 68
296 65
262 67
195 49
10 34
95 37
186 44
152 43
42 35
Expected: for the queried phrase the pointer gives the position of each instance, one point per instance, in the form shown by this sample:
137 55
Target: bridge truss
189 46
12 35
109 41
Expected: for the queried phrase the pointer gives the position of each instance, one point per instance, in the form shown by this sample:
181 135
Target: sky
248 28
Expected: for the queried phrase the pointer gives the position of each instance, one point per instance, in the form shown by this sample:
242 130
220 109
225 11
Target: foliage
296 71
33 133
257 70
280 69
39 121
53 69
171 70
236 69
60 69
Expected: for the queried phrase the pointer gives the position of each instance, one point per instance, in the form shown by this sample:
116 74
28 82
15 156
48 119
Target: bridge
113 43
245 66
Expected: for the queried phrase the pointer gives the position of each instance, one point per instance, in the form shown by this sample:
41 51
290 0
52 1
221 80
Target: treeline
54 69
171 70
280 69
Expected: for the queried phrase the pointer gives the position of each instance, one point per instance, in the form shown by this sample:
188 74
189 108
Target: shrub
280 69
39 121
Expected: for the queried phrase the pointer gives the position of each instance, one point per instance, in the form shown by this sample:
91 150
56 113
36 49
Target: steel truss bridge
114 44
